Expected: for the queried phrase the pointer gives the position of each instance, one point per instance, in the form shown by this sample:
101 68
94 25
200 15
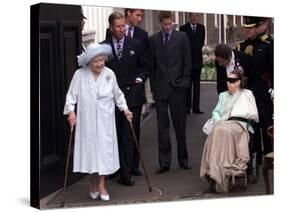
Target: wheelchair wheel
254 174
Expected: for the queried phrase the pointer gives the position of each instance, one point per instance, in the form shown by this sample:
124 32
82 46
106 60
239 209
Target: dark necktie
194 29
166 42
119 49
129 34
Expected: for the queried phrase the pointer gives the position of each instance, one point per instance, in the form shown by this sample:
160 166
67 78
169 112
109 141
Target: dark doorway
55 43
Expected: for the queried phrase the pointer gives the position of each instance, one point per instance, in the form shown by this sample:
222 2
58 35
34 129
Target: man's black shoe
137 172
126 181
198 111
185 165
162 169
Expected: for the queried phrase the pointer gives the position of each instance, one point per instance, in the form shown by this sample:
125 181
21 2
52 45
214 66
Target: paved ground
177 184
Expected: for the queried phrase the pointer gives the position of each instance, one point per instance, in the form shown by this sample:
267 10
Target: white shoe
94 195
104 197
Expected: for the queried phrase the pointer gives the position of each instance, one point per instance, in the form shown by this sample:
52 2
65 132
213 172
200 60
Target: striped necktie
129 33
194 29
119 49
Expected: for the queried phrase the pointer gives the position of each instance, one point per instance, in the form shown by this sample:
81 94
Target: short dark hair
113 16
164 15
191 13
131 10
223 50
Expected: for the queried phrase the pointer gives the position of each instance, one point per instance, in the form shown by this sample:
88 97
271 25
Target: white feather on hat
92 51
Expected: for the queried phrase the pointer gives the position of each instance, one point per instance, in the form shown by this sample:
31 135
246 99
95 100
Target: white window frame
216 20
225 19
234 21
205 19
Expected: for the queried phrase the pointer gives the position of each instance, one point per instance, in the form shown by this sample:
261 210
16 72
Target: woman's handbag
209 126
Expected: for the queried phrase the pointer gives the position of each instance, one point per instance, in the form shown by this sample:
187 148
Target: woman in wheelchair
226 150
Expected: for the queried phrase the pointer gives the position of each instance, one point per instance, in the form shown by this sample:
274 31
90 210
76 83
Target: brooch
132 52
107 78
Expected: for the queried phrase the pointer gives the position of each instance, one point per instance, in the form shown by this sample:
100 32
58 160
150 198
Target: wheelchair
251 175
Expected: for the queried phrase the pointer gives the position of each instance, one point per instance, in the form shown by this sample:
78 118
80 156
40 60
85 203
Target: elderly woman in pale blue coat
95 91
226 150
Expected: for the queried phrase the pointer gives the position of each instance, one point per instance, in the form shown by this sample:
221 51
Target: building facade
220 28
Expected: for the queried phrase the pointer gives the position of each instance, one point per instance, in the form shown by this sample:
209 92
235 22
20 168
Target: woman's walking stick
141 158
66 167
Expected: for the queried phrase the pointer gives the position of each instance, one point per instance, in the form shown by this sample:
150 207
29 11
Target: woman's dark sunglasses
232 80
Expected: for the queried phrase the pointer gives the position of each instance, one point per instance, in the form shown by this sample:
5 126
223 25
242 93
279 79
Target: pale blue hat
92 51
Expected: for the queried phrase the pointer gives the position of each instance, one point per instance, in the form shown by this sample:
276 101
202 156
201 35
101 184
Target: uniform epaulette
264 37
265 41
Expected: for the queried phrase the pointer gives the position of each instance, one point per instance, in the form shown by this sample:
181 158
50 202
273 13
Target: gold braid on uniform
238 46
264 37
249 50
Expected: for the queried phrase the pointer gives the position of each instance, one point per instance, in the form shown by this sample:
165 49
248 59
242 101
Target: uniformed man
267 77
253 53
262 30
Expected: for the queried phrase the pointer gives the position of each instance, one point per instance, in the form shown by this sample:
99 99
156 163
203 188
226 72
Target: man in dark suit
132 30
225 63
130 66
171 69
263 34
196 35
133 18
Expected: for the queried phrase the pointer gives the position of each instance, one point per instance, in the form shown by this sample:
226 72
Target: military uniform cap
251 21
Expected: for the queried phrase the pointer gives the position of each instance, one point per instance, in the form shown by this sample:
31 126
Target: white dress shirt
231 65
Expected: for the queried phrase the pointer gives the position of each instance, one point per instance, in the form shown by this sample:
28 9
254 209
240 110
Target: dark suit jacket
170 67
196 43
221 78
139 34
133 64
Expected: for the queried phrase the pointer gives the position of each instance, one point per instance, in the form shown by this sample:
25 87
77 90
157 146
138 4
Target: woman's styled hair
239 73
224 51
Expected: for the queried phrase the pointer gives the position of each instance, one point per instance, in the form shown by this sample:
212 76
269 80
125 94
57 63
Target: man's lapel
126 49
